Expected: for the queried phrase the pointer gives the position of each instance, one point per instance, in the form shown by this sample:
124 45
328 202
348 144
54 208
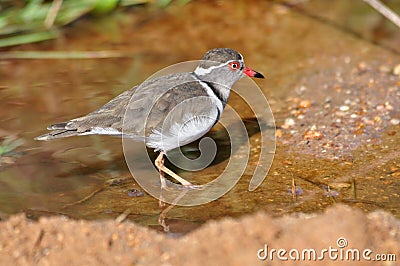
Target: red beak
251 73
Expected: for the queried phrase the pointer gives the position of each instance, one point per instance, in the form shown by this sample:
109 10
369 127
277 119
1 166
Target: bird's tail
58 131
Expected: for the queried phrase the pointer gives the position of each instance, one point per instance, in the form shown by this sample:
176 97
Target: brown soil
61 241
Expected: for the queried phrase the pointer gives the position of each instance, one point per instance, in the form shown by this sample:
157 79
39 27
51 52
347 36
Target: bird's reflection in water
162 218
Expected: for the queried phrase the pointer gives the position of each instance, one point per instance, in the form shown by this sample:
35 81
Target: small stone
347 102
305 104
368 121
388 106
278 133
340 113
289 122
312 134
337 88
396 70
344 108
380 108
395 174
301 89
395 121
362 66
384 69
360 129
296 113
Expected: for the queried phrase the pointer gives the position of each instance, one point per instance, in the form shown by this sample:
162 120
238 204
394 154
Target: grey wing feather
145 107
105 120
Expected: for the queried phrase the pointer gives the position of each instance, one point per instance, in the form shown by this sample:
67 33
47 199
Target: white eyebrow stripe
204 71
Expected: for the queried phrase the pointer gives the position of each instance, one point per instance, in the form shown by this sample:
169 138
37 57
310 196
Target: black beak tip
259 75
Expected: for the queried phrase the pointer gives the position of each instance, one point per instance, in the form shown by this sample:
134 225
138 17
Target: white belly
186 123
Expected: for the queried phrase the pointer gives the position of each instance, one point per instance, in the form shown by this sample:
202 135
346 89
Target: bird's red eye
234 65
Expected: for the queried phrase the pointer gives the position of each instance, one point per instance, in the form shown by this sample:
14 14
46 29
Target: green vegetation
8 145
38 20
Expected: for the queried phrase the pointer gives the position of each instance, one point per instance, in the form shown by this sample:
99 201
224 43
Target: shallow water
290 45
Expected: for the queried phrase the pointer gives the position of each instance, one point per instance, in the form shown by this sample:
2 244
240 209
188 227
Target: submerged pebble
331 193
298 191
135 193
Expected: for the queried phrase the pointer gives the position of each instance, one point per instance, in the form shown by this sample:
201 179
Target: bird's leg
163 169
160 161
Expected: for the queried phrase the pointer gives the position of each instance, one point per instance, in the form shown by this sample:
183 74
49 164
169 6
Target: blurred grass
7 149
9 144
31 21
